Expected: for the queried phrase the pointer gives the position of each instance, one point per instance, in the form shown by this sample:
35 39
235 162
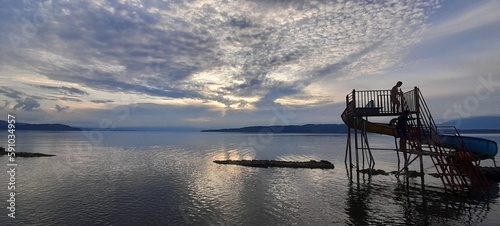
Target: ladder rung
452 174
455 172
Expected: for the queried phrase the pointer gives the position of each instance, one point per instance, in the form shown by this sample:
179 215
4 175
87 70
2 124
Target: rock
274 163
30 154
24 154
373 172
411 173
492 173
326 162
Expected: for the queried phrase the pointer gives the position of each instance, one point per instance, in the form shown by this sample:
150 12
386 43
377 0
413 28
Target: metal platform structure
456 165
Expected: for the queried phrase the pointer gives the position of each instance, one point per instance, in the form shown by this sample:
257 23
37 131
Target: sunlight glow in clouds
220 56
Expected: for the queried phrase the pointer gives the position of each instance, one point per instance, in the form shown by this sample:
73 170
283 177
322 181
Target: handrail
378 101
449 168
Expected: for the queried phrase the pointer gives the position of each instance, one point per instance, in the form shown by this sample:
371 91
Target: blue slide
482 148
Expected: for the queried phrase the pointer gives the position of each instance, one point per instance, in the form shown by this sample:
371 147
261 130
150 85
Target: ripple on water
175 182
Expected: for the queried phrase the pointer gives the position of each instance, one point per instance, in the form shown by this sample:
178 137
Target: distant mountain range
47 127
482 123
488 124
309 128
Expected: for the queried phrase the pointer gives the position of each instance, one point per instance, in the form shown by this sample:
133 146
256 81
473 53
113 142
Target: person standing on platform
395 93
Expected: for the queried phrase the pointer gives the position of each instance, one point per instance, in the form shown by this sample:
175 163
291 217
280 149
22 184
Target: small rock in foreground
313 164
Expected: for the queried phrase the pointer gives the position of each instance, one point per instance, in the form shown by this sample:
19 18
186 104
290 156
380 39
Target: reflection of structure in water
435 206
372 203
357 204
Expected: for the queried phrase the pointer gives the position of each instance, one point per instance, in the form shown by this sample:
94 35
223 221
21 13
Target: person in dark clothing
401 125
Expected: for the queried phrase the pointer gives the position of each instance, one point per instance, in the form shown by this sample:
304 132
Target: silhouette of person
395 104
401 125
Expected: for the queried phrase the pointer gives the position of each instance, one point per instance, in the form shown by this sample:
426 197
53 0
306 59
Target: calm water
161 178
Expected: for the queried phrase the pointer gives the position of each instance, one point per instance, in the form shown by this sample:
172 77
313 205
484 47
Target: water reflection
173 181
370 202
357 203
436 206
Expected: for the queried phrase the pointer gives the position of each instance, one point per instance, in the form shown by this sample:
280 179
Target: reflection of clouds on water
292 157
247 154
232 154
174 181
75 154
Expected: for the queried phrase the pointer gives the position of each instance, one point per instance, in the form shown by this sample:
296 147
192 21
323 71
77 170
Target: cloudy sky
225 63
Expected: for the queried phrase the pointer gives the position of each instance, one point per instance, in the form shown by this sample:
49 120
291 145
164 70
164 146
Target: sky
225 63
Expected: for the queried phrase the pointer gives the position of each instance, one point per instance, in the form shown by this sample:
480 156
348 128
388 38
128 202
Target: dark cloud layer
60 109
64 90
101 101
9 92
28 104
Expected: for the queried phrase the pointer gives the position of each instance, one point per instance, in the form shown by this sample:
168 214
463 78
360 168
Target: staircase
455 166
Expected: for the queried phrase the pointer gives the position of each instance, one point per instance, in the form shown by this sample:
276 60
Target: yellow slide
372 127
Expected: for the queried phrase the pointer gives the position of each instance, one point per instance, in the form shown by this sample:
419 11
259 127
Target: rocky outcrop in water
372 172
24 154
313 164
492 173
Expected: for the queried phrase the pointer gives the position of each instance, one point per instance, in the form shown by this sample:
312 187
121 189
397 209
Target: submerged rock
313 164
492 173
410 173
373 172
30 154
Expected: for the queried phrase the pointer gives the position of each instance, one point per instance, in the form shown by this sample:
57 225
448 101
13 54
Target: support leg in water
402 148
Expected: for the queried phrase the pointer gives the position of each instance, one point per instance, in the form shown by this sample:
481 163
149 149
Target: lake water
163 178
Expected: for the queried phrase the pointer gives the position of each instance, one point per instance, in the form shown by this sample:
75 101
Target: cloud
485 14
238 53
28 104
69 99
101 101
6 103
201 116
9 92
60 109
64 90
197 120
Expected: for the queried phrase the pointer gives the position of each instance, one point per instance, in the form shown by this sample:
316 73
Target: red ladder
455 166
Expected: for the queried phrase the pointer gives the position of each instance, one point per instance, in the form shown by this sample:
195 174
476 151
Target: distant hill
46 127
468 125
475 123
151 128
309 128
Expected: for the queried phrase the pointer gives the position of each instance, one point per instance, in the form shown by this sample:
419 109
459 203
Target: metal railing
453 173
378 102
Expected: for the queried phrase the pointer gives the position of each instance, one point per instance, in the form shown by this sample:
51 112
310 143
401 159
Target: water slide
481 148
